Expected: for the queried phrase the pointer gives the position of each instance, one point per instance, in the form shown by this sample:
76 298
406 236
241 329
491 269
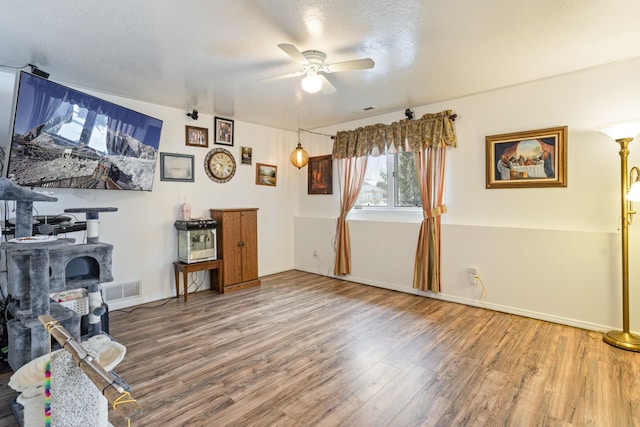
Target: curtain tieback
434 212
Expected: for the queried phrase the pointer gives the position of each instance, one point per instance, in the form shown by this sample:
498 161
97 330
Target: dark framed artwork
196 137
246 155
536 158
176 167
223 131
320 176
266 174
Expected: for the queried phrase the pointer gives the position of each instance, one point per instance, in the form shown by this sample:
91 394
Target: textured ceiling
211 54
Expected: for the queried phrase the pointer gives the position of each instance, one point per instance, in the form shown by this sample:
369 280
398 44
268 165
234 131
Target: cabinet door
250 245
232 241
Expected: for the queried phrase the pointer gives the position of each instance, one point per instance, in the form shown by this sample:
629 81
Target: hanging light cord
310 131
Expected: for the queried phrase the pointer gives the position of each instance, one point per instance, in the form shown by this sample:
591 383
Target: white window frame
389 212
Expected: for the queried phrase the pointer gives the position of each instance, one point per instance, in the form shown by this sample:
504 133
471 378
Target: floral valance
430 131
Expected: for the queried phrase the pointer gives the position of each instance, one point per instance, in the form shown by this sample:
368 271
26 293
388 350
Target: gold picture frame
536 158
246 155
266 174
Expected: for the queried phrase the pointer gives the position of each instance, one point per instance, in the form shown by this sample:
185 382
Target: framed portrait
266 174
320 177
224 131
536 158
196 137
176 167
246 154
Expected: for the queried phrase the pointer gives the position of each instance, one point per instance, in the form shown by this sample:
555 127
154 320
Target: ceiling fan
314 68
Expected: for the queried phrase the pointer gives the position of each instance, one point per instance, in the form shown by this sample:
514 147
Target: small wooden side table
215 281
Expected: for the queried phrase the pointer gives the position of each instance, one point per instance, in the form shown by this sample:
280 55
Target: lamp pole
624 339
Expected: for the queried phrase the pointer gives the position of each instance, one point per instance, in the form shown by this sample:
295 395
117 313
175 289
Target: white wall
142 229
550 253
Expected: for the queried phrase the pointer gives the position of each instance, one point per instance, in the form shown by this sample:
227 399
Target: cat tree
38 266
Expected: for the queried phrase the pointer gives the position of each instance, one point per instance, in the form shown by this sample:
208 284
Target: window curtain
353 170
430 134
430 174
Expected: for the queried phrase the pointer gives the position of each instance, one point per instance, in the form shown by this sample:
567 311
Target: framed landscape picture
223 131
536 158
266 174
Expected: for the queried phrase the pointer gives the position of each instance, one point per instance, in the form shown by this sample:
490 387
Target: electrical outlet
473 273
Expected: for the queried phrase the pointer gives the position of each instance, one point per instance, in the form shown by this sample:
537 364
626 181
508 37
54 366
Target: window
401 190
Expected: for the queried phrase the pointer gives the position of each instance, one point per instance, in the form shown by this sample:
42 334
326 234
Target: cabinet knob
240 243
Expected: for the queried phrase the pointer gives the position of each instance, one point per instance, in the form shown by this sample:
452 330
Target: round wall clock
219 165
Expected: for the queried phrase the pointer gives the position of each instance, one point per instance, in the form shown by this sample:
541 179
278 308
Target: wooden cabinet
237 243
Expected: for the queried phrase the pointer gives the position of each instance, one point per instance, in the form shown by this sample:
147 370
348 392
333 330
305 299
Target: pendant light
299 157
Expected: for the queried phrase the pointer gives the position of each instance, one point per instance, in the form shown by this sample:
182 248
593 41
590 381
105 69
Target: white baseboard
474 303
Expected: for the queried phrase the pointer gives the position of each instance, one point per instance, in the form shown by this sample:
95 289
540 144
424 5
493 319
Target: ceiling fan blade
356 64
281 77
293 52
327 87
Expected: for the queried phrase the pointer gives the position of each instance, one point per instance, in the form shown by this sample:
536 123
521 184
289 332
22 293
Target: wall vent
118 291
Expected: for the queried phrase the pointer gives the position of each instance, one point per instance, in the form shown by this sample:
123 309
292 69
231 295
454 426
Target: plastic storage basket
79 305
76 300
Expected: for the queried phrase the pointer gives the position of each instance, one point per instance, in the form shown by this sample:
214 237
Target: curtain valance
430 131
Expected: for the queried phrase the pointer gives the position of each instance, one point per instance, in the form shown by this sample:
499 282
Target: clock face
220 165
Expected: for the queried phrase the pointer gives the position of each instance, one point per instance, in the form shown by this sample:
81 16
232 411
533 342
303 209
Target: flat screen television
64 138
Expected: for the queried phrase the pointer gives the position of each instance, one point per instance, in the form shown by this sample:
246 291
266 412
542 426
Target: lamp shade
634 192
620 130
312 83
299 157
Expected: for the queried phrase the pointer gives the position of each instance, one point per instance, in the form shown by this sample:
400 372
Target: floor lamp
624 133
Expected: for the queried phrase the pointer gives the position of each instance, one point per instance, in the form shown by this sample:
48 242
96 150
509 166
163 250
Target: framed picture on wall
196 137
266 174
176 167
536 158
246 154
319 175
224 131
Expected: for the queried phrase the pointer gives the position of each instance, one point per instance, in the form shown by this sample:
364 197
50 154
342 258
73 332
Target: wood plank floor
307 350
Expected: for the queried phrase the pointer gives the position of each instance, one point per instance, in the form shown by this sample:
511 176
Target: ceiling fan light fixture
312 83
313 63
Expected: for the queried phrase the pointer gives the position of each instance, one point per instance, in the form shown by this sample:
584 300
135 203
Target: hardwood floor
307 350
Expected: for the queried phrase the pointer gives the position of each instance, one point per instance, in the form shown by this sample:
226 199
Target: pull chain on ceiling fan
314 68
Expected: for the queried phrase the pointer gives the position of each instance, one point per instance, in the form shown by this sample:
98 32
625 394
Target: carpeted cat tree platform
38 266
